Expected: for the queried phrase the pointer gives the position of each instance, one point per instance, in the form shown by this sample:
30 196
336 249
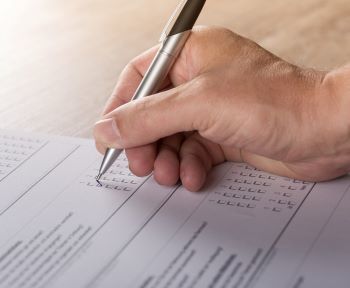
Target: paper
247 228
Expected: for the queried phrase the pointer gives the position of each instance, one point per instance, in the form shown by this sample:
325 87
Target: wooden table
59 59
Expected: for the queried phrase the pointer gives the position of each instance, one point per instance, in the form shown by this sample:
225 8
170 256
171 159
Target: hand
227 98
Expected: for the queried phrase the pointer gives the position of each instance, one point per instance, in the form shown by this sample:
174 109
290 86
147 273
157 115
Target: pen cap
184 17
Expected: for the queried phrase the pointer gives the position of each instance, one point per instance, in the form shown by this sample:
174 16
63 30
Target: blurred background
60 59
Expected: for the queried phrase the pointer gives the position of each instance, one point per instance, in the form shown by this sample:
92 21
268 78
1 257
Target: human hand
226 98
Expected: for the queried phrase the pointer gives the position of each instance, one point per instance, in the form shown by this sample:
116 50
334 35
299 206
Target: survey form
246 228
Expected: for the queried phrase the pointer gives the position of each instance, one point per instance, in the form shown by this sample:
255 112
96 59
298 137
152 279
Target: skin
228 99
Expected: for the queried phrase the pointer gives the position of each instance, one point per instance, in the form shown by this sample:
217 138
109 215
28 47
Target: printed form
247 228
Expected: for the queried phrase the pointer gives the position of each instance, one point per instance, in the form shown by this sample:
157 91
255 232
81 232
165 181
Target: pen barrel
161 65
152 82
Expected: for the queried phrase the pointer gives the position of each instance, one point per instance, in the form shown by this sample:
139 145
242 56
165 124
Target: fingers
198 156
141 159
149 119
167 165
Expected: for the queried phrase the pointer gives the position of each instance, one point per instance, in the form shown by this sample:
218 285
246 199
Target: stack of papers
247 228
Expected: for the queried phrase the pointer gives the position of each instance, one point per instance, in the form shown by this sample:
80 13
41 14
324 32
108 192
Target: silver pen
173 39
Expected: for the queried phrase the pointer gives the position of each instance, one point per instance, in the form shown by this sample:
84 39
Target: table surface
60 59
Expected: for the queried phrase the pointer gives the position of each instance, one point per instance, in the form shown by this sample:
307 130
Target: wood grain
59 59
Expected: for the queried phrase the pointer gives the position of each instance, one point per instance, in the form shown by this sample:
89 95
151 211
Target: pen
173 39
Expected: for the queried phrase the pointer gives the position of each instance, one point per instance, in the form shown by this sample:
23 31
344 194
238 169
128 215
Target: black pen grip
187 17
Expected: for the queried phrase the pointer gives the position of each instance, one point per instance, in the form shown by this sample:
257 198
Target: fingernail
109 132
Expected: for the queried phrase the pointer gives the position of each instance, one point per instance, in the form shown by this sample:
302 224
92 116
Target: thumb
147 120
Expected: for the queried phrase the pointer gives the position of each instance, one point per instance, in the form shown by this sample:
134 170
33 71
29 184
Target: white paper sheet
247 228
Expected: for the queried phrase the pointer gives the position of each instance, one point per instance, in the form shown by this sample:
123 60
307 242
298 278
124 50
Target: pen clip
172 20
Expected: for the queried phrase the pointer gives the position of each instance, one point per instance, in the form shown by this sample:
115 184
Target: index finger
130 79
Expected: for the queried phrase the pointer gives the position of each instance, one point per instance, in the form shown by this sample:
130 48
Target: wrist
334 95
303 112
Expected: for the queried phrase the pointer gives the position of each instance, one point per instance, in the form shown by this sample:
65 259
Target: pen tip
98 177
